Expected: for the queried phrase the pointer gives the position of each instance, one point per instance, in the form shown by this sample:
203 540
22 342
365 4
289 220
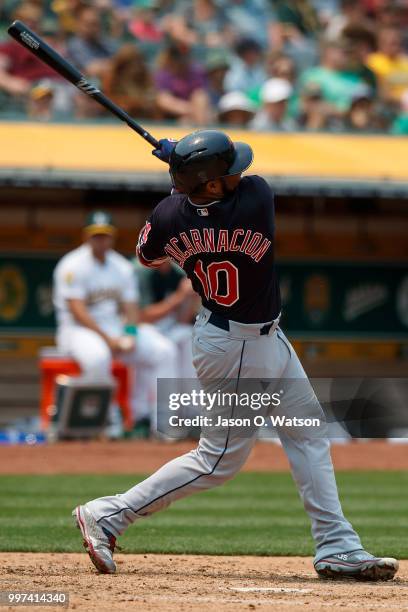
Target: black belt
219 321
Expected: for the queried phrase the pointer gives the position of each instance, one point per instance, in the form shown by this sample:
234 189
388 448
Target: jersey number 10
210 281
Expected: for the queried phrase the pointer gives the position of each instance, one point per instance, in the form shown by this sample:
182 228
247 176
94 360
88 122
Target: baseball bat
38 47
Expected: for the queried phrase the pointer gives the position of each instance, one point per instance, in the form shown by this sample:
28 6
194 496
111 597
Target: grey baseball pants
238 354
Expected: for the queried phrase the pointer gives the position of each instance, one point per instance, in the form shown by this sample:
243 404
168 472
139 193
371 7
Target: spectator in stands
299 15
277 65
337 83
272 116
351 15
314 112
6 15
20 69
40 102
181 85
251 19
400 125
235 110
361 42
280 66
371 6
89 50
217 65
325 10
390 64
66 12
124 8
143 24
85 107
247 71
392 14
361 116
201 22
128 82
296 31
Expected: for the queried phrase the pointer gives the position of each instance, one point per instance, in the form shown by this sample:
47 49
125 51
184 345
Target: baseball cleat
357 564
98 543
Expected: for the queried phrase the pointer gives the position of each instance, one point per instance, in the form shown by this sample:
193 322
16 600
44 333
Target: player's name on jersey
209 240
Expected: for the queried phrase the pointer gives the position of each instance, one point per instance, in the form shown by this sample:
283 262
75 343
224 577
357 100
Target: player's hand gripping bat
31 41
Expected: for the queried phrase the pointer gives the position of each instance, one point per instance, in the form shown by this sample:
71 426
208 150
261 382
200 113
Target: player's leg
212 463
88 349
181 335
308 451
94 358
217 458
207 466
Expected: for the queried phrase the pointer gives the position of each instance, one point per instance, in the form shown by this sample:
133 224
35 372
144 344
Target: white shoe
99 546
357 564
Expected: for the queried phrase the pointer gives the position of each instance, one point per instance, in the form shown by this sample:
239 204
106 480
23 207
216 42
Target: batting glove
166 147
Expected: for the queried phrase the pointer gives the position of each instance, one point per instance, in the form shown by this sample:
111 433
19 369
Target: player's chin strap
173 184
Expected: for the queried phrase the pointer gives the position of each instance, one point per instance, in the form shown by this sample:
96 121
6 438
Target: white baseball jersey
103 286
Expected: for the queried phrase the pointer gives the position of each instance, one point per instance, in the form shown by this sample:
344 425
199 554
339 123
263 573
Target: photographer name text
257 420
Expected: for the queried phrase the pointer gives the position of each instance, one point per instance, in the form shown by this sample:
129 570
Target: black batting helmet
206 155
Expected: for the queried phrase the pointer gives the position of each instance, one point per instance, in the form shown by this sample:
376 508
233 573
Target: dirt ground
144 457
190 583
197 583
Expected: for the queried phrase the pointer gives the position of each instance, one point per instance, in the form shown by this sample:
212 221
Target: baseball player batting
219 227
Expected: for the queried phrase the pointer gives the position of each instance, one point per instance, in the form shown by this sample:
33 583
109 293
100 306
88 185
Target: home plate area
198 583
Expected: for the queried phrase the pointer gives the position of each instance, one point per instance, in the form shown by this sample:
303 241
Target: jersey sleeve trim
149 263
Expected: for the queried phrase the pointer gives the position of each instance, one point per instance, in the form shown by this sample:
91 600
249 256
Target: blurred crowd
279 65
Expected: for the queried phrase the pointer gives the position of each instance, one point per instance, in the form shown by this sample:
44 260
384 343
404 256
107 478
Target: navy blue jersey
226 249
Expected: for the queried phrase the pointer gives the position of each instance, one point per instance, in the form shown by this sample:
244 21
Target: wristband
131 330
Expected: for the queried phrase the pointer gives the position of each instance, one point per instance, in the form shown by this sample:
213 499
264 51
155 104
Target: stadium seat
52 363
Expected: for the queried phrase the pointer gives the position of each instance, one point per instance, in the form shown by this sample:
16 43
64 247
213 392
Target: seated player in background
95 297
168 301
